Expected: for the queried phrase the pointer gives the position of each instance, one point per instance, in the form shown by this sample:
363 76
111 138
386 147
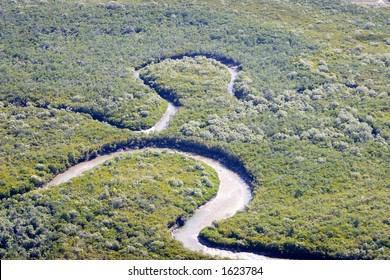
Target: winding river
172 109
233 193
163 122
233 70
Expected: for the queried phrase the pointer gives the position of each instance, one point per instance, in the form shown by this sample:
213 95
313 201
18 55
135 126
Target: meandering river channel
233 193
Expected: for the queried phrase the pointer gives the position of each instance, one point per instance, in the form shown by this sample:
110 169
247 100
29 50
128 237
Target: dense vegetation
38 143
309 121
325 170
108 213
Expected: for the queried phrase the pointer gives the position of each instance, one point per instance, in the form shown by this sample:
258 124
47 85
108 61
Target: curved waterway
172 109
233 193
233 70
163 122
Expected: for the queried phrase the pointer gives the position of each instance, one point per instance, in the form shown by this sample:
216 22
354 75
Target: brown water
233 75
172 109
162 123
79 169
233 193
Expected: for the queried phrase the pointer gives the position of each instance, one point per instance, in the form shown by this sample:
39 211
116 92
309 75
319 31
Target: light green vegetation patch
38 143
188 81
122 209
208 110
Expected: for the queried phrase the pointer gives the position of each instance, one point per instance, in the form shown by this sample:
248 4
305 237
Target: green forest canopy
108 213
309 121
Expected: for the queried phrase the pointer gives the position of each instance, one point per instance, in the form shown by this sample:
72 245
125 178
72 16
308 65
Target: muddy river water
233 194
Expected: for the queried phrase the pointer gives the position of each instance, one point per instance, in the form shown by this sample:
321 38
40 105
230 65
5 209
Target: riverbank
233 194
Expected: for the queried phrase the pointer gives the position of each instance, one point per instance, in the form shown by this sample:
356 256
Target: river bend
233 193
